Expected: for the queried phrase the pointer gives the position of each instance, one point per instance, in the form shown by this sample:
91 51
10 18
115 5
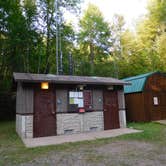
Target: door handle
53 112
105 110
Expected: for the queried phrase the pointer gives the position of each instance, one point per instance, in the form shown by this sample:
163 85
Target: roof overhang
66 79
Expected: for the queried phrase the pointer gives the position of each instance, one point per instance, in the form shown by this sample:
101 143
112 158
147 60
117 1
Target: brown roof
67 79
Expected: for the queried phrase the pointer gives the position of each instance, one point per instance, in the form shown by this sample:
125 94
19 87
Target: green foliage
157 10
144 51
27 36
94 36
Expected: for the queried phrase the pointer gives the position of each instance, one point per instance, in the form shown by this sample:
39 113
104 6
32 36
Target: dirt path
119 153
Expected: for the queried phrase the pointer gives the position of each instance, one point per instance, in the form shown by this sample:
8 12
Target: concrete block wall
76 123
24 126
122 111
93 121
68 123
19 125
29 126
122 119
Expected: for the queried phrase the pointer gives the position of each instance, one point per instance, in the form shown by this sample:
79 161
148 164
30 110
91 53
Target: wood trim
24 113
122 109
78 112
87 111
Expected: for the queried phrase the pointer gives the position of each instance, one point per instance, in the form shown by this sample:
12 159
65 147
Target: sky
132 10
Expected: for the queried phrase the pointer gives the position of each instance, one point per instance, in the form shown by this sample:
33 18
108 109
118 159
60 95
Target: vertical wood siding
24 100
155 112
140 106
156 87
135 109
61 100
98 99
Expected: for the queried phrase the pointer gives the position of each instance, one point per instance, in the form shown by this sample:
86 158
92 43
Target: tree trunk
92 58
47 43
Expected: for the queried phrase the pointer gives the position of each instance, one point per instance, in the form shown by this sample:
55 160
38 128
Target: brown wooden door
44 113
111 112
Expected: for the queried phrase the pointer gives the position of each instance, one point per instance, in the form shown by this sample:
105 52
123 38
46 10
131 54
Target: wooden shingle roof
67 79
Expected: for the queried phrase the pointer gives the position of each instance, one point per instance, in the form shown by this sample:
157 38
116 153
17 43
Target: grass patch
152 132
13 152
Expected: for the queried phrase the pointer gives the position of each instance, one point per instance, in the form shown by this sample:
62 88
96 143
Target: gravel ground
119 153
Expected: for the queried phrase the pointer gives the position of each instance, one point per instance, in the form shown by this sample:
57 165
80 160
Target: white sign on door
155 101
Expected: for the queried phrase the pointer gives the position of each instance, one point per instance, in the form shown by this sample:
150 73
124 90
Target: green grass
152 132
13 152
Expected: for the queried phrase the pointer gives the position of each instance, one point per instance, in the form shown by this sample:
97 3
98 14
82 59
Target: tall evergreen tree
94 35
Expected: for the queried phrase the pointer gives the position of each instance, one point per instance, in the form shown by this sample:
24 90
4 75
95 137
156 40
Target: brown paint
156 83
111 114
88 99
135 101
156 112
24 114
44 113
140 106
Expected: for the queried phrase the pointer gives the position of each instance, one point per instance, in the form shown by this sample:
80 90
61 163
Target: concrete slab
54 140
161 121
